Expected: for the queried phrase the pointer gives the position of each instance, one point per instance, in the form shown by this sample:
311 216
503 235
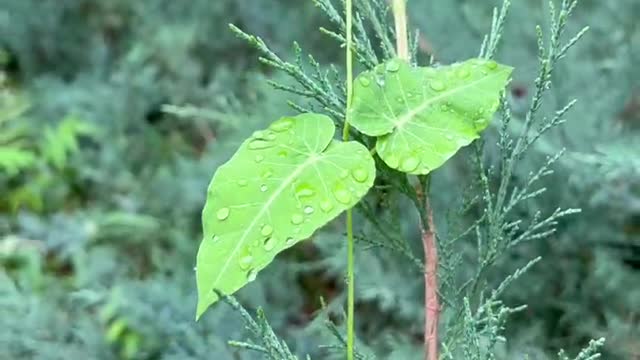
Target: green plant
287 181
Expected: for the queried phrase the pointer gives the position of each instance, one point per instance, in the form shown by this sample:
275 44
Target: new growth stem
428 231
345 137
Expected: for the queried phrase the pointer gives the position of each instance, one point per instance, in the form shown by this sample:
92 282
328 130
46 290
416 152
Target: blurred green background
114 114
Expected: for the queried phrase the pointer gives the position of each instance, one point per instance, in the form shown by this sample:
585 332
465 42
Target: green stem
345 137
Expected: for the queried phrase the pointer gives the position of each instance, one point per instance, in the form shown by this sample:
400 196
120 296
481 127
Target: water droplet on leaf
223 213
304 190
463 73
393 161
410 164
308 210
252 274
437 85
296 219
259 158
281 125
243 183
266 230
267 174
480 121
245 262
393 66
364 81
260 144
269 244
326 205
290 241
491 65
263 188
359 174
342 194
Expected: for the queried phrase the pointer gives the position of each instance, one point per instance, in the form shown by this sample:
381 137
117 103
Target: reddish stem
431 301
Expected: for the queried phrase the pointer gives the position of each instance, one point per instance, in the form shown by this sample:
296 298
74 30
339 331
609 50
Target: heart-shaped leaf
280 186
424 115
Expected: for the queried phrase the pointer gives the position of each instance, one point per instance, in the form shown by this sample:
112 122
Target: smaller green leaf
423 115
281 185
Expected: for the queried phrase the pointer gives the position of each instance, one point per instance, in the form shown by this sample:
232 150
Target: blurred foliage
102 183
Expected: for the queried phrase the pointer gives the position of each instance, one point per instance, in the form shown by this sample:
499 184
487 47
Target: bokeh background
114 114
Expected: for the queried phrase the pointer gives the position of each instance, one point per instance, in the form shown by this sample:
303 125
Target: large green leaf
280 186
423 116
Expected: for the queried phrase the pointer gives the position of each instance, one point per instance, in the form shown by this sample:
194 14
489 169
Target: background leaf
281 185
424 115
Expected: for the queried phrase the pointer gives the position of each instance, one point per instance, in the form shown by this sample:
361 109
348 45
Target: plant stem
429 244
431 301
400 18
428 230
345 136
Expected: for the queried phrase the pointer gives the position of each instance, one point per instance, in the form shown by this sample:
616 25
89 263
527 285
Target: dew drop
243 183
290 241
449 137
343 174
223 213
266 230
263 188
259 134
252 274
393 161
297 219
480 121
410 164
342 194
399 100
491 65
259 158
260 144
304 190
360 174
281 125
282 153
364 81
308 210
267 174
437 85
463 73
269 244
245 262
444 107
393 66
270 136
215 238
326 205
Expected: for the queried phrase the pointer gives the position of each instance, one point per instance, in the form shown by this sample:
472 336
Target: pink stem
432 306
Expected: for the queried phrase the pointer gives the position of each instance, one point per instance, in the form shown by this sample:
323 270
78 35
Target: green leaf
13 159
280 186
423 116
